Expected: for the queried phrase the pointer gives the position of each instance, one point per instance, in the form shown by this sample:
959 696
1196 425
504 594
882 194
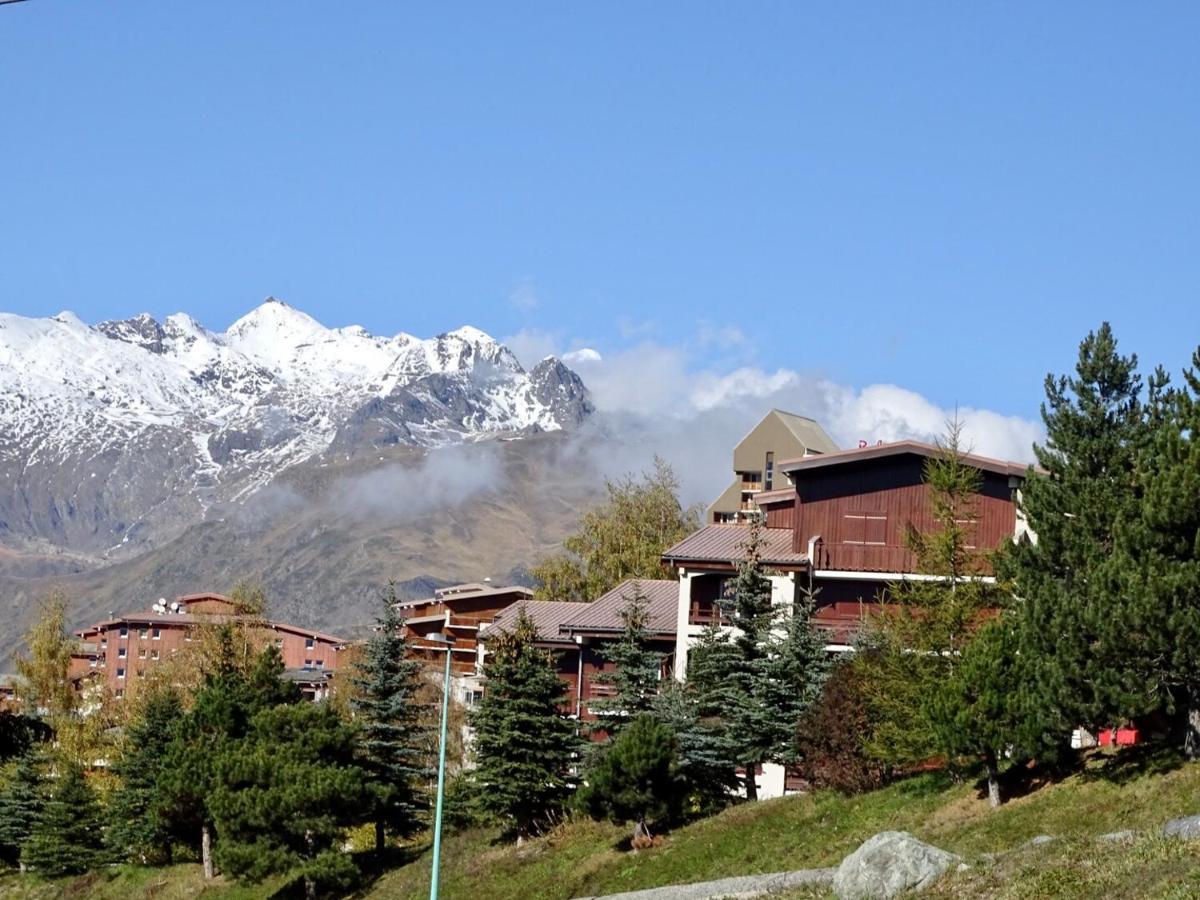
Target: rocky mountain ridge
115 438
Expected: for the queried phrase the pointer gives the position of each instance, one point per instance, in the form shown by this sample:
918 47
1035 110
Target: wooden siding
781 513
861 514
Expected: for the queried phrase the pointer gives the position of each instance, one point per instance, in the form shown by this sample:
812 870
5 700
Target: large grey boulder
1187 827
889 864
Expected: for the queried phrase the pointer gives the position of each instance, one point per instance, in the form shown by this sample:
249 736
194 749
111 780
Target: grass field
583 858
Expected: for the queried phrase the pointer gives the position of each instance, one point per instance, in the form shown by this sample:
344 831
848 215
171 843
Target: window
141 653
120 673
103 643
865 529
308 644
121 653
92 663
156 633
120 693
124 631
279 643
141 673
769 479
188 635
320 663
154 654
308 664
143 633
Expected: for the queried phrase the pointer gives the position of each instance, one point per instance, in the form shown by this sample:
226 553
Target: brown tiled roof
547 615
604 614
727 544
897 448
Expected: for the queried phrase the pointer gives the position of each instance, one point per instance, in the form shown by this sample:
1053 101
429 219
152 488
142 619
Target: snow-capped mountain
109 431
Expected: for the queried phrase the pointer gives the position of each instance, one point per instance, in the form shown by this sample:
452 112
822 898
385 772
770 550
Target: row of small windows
143 633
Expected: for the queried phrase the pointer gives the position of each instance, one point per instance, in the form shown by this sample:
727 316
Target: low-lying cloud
398 492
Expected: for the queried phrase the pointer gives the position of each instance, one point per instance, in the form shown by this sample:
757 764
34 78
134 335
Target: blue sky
941 196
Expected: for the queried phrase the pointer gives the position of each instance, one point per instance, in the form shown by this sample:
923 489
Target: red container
1105 738
1126 737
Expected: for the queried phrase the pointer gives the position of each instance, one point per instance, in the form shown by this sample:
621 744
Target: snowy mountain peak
173 413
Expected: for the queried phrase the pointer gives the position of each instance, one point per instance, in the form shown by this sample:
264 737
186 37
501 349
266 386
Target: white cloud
531 345
443 479
582 357
654 399
524 296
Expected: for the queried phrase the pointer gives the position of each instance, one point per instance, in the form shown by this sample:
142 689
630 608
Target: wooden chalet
839 529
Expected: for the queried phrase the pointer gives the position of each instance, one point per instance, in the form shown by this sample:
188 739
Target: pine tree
636 778
68 837
21 804
796 668
1072 635
138 833
393 737
976 711
1153 577
221 714
524 747
706 753
286 793
637 668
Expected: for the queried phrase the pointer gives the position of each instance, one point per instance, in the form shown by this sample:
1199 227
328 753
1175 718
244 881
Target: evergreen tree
831 738
524 747
138 833
976 711
68 837
393 737
286 793
795 672
1072 635
220 715
623 538
21 804
913 647
636 778
706 762
637 668
1153 577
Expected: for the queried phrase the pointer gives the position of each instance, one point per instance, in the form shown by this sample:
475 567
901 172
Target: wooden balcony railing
863 558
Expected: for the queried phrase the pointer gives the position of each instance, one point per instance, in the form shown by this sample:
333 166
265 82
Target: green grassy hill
581 858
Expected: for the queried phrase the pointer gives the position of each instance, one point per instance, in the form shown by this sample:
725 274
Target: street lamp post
441 784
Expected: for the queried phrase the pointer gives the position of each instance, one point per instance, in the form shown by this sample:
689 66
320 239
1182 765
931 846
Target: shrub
832 735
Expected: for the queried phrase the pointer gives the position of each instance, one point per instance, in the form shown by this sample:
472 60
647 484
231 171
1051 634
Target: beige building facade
779 436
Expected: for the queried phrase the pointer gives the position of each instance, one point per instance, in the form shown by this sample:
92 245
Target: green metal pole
441 788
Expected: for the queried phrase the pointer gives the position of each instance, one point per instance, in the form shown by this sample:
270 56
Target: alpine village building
123 649
836 527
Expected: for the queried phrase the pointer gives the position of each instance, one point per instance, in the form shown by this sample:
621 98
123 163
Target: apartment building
836 525
124 649
779 436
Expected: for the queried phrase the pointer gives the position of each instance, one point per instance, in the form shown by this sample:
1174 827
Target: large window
769 469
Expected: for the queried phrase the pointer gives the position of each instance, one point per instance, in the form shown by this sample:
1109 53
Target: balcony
863 558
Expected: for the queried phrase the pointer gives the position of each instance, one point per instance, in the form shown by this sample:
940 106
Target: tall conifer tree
1098 421
637 668
68 836
524 746
21 804
393 737
138 832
